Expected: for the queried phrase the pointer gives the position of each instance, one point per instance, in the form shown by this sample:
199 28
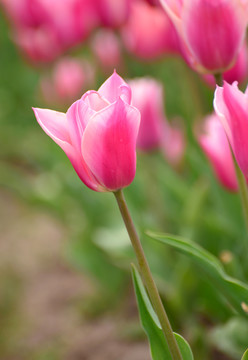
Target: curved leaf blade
151 325
245 356
235 291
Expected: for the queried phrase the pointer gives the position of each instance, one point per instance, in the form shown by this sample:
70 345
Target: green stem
242 190
218 79
147 277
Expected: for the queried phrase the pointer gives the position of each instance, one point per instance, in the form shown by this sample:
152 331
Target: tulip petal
222 112
78 116
237 104
94 100
115 87
109 142
55 125
214 31
215 145
232 107
173 9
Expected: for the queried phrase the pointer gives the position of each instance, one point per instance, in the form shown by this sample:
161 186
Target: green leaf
245 356
151 325
232 289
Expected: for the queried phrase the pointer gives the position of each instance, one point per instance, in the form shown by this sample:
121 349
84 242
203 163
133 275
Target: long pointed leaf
151 325
232 289
245 356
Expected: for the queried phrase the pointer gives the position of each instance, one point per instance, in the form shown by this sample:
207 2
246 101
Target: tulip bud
69 78
106 48
212 31
214 143
238 72
113 13
98 134
149 33
231 105
44 29
172 144
147 97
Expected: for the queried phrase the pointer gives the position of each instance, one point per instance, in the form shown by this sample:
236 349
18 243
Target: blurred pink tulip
147 97
69 78
149 33
113 13
216 147
44 29
173 143
238 72
231 105
212 31
98 134
155 132
153 2
106 48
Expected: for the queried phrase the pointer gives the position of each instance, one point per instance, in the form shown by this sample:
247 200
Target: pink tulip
98 134
113 13
149 32
106 48
231 105
173 143
25 13
44 29
155 132
153 2
212 31
69 78
216 147
147 97
238 72
36 44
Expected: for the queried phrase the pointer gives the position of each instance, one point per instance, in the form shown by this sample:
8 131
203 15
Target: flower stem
218 79
147 277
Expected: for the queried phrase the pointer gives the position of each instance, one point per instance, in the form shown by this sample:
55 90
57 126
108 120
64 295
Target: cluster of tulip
101 131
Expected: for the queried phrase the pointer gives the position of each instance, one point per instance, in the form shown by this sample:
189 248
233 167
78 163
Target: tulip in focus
98 134
69 78
231 105
212 31
106 48
149 33
214 143
238 72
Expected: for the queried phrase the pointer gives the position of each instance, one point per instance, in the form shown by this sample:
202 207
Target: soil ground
41 296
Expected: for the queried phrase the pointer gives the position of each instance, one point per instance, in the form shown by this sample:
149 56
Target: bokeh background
65 283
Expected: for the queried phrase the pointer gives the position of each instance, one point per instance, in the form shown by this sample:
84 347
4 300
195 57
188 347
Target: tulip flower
98 134
214 143
68 79
147 97
149 33
238 72
113 13
106 48
212 31
155 132
172 143
44 29
231 105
